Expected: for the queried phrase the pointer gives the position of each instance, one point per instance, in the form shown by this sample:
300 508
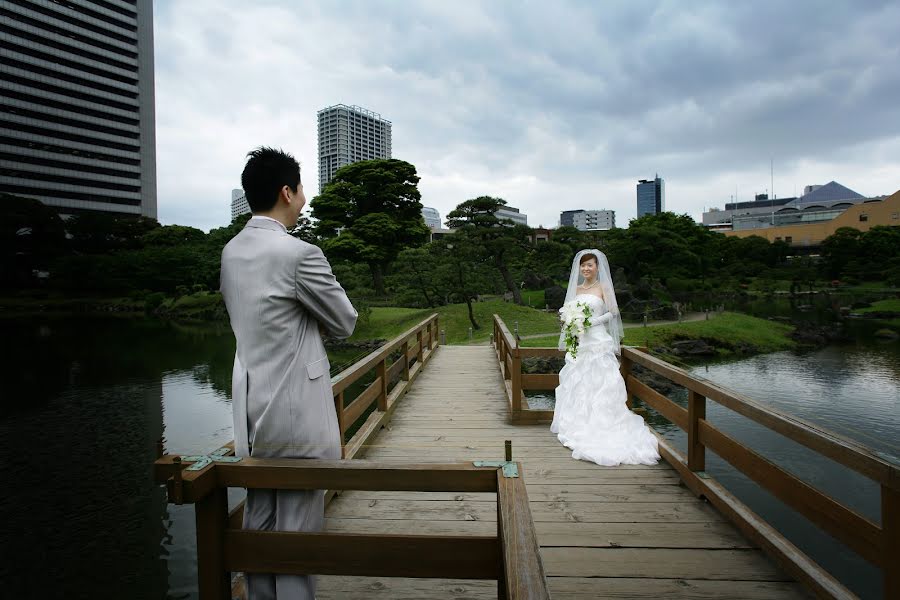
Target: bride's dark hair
586 258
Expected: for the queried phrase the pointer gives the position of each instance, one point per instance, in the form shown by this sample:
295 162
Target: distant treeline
368 222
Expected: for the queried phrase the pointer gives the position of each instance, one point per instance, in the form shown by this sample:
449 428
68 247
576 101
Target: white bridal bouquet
576 318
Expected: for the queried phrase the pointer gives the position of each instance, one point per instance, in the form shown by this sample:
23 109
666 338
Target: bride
591 417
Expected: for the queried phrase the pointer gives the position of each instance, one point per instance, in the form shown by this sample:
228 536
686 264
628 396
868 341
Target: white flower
571 312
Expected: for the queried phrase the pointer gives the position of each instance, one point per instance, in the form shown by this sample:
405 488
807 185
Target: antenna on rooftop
772 175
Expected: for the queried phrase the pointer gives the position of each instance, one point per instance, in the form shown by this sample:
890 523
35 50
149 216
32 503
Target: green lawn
387 323
533 298
889 305
727 329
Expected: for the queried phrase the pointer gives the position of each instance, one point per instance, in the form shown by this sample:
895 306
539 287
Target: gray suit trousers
283 510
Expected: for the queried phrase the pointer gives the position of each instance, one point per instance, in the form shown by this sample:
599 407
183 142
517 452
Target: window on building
777 238
863 218
895 216
788 238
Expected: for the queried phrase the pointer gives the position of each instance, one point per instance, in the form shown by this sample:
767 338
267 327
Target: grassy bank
454 320
727 332
59 304
890 305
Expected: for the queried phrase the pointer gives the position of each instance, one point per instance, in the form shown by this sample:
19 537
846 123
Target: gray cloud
550 105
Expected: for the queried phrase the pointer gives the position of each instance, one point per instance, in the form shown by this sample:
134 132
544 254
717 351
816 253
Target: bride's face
589 269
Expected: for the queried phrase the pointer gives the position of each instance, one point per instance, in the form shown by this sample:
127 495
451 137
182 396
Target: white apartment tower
239 204
77 104
349 134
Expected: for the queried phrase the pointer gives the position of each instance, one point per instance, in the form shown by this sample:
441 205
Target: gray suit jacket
278 290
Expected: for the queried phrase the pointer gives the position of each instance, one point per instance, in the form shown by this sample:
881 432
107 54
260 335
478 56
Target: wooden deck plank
687 563
605 532
567 534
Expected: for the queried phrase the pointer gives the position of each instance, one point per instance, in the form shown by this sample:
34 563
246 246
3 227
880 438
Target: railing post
696 450
213 581
890 533
516 377
339 408
437 332
405 350
381 371
625 370
420 339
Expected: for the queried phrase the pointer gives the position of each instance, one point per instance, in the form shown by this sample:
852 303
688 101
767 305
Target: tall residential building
651 196
349 134
76 104
587 220
432 217
239 204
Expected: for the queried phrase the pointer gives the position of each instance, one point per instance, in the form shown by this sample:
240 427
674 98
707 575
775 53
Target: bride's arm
604 318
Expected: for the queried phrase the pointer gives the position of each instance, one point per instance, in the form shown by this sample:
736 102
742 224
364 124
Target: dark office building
651 196
76 104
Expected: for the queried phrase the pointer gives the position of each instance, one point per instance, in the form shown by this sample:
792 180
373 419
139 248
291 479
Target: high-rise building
76 104
591 220
349 134
432 217
651 196
512 214
239 204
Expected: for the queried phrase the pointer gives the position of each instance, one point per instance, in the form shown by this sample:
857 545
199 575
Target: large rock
692 348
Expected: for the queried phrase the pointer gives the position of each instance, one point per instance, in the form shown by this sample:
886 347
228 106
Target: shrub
154 301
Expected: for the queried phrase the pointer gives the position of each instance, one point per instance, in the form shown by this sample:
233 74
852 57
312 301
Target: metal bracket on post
509 468
201 461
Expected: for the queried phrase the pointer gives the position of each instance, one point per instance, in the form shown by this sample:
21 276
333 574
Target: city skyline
710 96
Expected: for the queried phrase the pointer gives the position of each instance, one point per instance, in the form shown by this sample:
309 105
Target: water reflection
87 402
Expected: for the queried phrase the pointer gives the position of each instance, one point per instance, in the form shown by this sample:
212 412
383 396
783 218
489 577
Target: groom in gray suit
281 295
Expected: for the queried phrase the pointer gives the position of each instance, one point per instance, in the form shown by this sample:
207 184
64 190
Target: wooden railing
879 544
392 380
510 356
511 556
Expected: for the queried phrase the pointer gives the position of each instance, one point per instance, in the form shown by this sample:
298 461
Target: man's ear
285 194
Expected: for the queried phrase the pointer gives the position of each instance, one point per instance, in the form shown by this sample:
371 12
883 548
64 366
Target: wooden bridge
562 528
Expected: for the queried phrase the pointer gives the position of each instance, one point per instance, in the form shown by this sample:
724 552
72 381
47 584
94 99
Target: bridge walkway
604 532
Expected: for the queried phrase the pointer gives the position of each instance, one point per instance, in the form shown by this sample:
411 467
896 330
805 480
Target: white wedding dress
591 417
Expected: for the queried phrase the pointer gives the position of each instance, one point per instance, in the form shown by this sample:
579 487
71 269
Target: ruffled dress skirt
591 417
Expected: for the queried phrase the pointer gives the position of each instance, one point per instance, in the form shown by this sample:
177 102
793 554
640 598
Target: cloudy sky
549 105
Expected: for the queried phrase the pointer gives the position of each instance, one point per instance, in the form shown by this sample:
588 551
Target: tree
305 230
173 235
460 269
414 272
497 239
31 235
102 232
841 249
369 212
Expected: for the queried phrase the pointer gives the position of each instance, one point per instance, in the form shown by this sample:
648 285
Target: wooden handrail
380 392
827 443
510 355
354 372
512 557
879 545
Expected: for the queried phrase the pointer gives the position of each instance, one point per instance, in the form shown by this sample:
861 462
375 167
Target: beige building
862 216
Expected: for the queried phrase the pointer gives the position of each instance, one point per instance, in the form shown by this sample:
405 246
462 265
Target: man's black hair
267 171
